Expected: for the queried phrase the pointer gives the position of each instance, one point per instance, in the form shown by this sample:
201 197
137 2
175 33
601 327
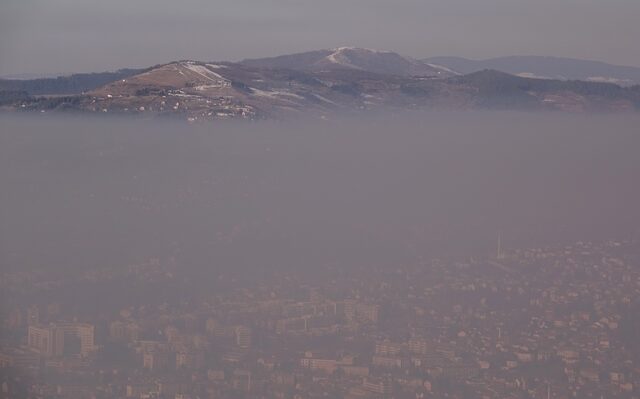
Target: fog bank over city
84 193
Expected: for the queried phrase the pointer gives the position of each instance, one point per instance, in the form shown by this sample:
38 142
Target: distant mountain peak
365 59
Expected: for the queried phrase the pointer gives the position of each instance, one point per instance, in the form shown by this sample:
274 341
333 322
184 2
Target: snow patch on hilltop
201 70
339 57
443 68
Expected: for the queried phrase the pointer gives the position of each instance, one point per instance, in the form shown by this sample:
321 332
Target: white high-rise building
50 340
243 336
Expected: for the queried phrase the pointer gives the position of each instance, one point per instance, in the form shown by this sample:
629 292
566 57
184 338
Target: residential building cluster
532 323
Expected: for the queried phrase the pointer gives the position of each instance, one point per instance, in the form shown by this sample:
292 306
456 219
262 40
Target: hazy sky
39 36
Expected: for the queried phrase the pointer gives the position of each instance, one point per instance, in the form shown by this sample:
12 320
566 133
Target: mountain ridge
265 88
545 67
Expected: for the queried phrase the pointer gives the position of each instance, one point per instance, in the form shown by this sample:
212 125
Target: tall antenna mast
499 253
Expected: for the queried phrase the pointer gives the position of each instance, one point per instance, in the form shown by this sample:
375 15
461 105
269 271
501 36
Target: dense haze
331 224
102 192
